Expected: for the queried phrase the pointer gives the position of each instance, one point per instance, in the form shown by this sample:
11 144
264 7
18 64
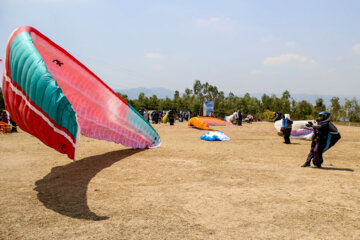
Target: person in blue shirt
286 127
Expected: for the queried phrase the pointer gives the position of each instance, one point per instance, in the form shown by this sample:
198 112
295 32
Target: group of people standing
237 118
184 115
156 116
325 136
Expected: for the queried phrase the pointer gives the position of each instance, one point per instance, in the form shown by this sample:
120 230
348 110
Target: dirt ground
251 187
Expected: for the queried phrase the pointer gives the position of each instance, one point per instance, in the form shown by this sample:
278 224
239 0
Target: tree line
263 108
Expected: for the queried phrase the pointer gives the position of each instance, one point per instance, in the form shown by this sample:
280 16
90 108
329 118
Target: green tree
285 102
141 103
276 103
152 103
266 103
197 87
165 104
319 107
352 110
335 109
123 96
188 92
198 92
303 110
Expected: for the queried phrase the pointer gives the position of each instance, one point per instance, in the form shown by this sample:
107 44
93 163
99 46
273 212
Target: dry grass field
251 187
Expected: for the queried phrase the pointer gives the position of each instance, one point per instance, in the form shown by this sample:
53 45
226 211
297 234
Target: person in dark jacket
313 144
155 116
171 117
239 119
325 136
286 127
13 125
4 117
277 116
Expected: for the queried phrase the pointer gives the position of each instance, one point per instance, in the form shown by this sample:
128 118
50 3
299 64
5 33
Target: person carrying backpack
326 136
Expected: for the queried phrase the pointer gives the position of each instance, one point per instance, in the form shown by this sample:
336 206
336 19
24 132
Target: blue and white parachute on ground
215 136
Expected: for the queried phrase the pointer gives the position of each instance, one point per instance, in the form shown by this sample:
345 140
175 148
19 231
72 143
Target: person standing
4 117
286 128
171 117
239 120
234 118
326 135
313 144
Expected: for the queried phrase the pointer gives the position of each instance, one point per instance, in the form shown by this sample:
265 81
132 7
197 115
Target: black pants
316 152
287 133
239 121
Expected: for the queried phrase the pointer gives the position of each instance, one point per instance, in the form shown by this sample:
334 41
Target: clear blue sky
241 46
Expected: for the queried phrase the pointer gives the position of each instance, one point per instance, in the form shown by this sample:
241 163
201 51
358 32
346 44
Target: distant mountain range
162 93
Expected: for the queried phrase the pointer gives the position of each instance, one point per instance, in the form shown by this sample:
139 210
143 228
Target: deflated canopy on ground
206 122
298 130
54 97
215 136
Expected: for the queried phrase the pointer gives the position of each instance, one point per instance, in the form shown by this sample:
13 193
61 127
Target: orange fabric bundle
206 122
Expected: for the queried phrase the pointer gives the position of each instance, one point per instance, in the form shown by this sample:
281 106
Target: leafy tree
152 103
267 115
165 104
188 91
335 109
303 110
352 110
197 88
285 102
319 107
123 96
277 104
141 103
266 103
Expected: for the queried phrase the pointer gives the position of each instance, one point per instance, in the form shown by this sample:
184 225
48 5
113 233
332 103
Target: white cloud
356 48
152 55
255 71
290 44
286 58
216 22
158 67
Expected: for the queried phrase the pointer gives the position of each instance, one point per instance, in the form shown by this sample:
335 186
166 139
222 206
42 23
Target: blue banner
208 108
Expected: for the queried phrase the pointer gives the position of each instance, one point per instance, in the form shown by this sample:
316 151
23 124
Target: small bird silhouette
58 62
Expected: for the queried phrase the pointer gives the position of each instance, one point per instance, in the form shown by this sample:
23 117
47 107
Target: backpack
333 137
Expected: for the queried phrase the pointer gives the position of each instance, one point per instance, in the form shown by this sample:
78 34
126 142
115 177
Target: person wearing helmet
325 136
277 116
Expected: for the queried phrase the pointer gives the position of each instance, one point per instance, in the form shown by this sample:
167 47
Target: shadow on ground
337 169
64 189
